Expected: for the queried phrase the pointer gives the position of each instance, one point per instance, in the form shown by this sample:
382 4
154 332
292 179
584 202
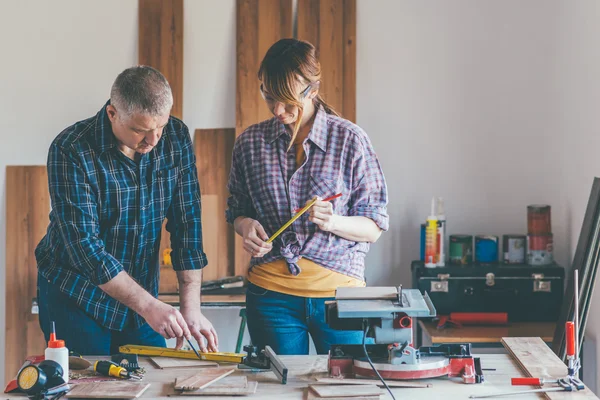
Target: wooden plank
202 380
171 363
213 148
367 293
487 334
346 390
330 25
230 386
537 360
311 395
207 299
108 390
390 383
27 211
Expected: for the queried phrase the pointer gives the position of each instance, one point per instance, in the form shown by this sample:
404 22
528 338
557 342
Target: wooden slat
330 25
260 23
537 360
213 148
27 209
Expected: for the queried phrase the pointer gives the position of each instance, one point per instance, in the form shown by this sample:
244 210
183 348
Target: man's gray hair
141 89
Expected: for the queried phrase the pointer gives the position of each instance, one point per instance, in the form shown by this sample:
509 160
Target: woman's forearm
357 229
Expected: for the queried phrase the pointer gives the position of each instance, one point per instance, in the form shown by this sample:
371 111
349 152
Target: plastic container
441 253
56 351
431 234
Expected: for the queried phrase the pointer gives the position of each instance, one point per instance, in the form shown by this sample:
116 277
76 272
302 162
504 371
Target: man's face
138 132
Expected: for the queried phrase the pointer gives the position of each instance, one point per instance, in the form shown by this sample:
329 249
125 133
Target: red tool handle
480 318
570 332
526 381
335 196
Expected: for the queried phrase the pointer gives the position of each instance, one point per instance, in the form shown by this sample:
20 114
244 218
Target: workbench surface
303 370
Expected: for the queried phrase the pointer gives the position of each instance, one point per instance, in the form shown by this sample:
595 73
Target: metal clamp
490 279
540 285
441 285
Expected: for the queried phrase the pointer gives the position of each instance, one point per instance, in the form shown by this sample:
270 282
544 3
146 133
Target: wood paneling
213 149
27 210
160 45
260 23
330 25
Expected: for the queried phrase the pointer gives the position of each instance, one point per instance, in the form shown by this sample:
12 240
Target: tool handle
526 382
570 332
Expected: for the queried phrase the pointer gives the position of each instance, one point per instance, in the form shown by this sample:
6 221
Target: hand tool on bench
109 368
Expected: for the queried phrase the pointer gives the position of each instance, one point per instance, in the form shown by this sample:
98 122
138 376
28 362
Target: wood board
537 360
27 218
367 293
329 391
230 386
390 383
260 23
171 363
213 148
107 390
330 25
311 395
202 379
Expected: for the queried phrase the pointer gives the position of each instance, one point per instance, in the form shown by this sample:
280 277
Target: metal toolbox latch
490 279
539 285
441 285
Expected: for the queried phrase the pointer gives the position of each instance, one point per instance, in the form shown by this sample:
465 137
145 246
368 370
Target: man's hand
166 320
321 214
200 328
255 237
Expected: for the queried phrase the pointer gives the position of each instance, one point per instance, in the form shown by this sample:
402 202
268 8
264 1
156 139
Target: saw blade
430 367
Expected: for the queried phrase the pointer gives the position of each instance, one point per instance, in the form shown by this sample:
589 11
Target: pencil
335 196
291 221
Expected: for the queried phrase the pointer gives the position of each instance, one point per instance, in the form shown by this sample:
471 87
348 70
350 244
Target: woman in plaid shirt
278 165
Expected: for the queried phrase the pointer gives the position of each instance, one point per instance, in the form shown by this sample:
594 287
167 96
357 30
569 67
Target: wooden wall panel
160 45
260 23
330 25
27 210
213 149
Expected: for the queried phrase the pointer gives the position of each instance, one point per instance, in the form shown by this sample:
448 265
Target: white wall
489 104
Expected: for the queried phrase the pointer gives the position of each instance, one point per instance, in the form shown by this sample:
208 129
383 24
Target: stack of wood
214 382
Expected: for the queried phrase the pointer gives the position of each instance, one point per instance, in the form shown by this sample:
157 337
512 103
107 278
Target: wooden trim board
108 390
537 360
390 383
202 380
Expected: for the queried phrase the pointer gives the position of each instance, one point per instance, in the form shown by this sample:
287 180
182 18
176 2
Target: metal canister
514 248
486 249
461 249
540 249
539 219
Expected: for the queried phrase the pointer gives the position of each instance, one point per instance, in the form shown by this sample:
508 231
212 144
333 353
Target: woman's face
288 113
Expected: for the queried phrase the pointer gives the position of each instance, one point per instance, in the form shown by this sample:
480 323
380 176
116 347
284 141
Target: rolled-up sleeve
239 203
369 192
75 205
185 214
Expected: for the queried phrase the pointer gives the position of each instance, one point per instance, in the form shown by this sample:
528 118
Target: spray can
441 236
56 351
431 235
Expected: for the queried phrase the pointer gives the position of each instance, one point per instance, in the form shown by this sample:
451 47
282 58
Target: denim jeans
284 322
80 331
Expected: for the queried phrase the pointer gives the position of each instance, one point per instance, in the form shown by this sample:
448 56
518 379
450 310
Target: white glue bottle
441 221
56 351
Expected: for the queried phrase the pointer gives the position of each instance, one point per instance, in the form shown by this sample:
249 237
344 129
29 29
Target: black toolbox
525 292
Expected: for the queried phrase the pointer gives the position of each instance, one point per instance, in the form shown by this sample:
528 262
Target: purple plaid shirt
265 185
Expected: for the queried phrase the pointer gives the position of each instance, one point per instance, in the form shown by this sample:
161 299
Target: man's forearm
190 285
126 290
356 228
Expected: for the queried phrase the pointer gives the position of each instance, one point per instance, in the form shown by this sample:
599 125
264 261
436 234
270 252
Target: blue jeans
284 322
80 331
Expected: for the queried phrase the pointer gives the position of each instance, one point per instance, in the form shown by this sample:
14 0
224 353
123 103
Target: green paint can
461 249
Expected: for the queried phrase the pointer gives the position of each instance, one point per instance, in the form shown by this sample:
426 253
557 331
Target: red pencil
335 196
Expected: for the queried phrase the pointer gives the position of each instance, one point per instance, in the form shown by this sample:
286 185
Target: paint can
461 249
486 249
539 219
423 227
539 249
514 248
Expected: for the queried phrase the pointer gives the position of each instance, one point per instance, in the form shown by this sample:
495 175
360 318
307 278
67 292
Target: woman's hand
255 237
321 214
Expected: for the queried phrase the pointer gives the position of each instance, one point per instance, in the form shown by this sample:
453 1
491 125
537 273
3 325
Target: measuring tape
188 354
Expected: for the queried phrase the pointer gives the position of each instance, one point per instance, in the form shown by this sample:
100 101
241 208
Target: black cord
366 328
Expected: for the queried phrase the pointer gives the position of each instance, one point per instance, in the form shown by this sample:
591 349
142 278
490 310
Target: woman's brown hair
285 61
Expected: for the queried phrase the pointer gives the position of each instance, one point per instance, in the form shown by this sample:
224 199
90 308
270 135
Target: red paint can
538 219
539 249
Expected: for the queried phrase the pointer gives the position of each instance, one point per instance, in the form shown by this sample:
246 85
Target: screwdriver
109 368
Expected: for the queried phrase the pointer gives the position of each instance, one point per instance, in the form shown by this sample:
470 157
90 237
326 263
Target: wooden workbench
303 370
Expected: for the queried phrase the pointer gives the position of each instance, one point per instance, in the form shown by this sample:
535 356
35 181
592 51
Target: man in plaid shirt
113 180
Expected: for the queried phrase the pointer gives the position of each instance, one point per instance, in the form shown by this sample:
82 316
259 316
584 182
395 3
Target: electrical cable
366 328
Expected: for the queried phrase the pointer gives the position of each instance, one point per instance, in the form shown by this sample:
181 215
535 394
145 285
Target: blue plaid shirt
265 185
107 214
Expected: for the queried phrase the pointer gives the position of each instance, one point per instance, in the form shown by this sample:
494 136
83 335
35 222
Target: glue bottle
441 230
56 351
431 233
